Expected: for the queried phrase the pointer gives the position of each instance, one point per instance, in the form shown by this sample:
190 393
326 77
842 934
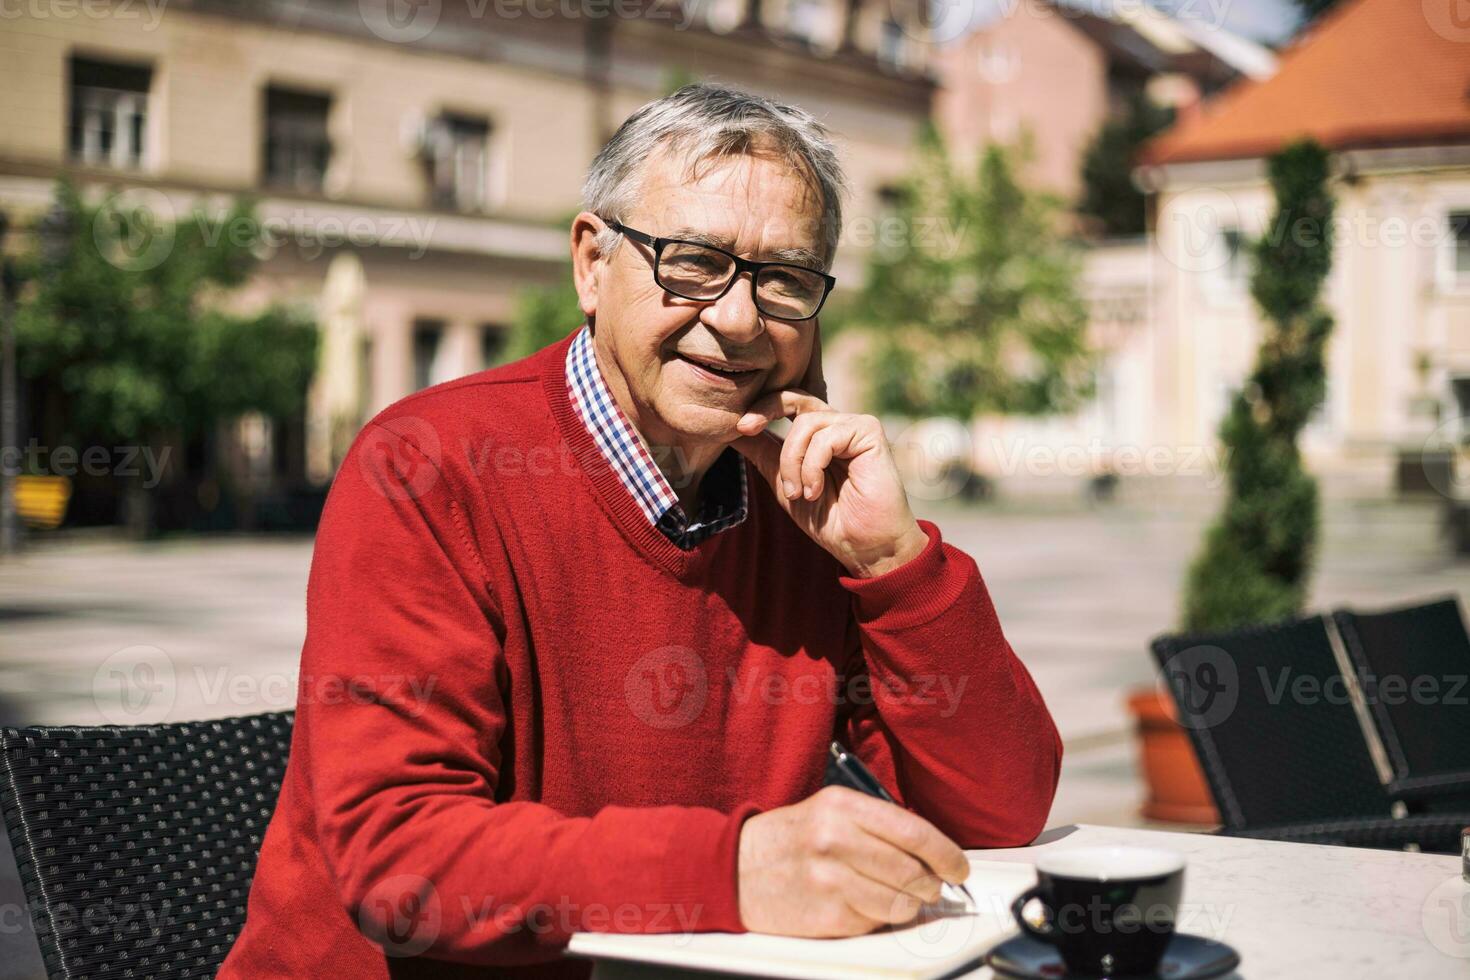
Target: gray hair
703 122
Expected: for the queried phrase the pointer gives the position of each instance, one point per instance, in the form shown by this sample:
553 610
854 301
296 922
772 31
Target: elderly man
580 630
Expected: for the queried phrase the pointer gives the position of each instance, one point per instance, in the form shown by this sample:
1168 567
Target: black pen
846 769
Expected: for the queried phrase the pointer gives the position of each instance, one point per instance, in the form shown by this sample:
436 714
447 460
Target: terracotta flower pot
1177 791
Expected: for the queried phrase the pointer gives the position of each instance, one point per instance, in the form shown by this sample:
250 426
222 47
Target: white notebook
939 943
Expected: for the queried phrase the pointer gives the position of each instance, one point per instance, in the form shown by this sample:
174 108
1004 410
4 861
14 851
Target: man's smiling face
649 342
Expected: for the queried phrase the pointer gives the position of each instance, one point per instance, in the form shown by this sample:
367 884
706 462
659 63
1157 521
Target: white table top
1304 910
1290 910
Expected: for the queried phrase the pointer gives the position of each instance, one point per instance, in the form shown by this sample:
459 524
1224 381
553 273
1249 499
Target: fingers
794 480
852 905
888 866
796 466
878 903
836 440
816 868
816 439
914 835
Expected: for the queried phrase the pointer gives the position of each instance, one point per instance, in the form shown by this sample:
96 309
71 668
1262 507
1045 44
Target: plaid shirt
724 491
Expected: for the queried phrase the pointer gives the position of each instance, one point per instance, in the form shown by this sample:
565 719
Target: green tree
544 315
1257 557
125 326
973 304
1108 194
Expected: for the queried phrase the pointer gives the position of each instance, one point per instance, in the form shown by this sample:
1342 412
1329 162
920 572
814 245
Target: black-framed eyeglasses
694 270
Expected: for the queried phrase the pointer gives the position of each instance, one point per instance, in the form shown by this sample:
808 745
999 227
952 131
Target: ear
587 260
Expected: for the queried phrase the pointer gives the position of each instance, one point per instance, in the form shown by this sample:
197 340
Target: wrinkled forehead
750 201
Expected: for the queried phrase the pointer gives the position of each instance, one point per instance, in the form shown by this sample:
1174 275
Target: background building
1387 89
413 175
1056 70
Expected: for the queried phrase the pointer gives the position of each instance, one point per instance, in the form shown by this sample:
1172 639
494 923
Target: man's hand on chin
834 473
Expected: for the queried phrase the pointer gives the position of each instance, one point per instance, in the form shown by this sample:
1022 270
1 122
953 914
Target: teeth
717 370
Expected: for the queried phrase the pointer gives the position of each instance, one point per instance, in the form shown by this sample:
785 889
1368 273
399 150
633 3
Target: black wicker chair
1281 742
1414 667
135 846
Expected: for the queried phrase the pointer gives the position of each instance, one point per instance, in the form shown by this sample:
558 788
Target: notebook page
938 943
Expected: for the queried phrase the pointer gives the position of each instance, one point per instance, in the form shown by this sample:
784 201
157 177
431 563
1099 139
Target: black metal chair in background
1283 744
1414 667
136 846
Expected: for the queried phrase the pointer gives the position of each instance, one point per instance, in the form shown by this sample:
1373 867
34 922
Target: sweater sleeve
403 759
952 722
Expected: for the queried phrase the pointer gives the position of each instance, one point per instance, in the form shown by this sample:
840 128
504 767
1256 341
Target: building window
297 148
493 338
1226 269
457 154
806 19
891 49
891 198
889 237
109 113
998 62
720 16
1459 244
1232 243
430 361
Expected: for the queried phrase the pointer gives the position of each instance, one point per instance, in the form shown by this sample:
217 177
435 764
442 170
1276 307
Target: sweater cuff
913 593
704 875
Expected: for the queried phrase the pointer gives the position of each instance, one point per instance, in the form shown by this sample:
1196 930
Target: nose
734 315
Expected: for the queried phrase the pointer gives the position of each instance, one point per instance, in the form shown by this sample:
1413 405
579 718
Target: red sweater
523 711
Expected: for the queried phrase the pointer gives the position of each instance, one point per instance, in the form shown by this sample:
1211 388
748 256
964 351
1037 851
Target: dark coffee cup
1109 911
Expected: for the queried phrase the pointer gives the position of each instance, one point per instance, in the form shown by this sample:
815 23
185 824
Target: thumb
814 380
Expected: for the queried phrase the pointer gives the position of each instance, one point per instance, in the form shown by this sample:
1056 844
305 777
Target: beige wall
1394 302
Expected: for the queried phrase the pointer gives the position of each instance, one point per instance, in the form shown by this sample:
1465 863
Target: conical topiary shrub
1257 557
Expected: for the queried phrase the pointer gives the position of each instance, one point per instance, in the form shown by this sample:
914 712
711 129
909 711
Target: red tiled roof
1370 73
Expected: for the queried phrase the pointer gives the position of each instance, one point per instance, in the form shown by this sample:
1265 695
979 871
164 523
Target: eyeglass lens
697 272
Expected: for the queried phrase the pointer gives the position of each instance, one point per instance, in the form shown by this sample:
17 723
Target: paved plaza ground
215 624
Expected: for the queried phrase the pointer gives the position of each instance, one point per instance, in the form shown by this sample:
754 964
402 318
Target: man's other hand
841 863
